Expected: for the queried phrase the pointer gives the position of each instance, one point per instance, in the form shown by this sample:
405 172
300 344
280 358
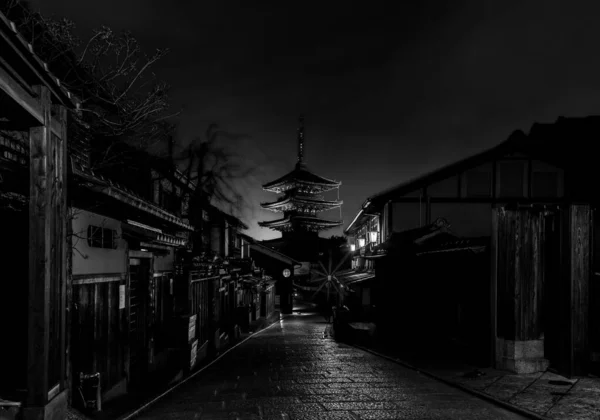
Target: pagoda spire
300 141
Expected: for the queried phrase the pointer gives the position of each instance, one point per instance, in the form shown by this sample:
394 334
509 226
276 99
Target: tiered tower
301 199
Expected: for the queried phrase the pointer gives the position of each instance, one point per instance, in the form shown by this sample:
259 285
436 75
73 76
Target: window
99 237
234 238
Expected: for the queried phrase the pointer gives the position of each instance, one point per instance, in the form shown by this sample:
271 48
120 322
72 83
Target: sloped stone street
294 370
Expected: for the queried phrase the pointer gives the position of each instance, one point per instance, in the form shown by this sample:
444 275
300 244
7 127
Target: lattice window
99 237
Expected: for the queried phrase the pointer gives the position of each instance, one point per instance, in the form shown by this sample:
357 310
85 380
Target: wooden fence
99 330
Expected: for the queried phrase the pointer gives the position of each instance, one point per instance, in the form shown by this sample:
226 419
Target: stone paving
295 370
544 394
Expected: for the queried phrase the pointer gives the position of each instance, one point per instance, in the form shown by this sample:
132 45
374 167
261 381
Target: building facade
500 243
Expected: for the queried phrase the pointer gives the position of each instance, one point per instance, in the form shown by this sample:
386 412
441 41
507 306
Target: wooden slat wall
580 221
98 337
520 274
200 305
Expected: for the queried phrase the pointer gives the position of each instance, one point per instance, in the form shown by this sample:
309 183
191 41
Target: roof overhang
106 187
273 254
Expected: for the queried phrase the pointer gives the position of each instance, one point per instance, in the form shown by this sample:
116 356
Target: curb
489 398
184 380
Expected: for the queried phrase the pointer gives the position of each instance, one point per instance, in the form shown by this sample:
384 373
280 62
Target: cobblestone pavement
294 370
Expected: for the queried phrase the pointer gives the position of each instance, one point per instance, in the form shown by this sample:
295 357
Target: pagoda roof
301 175
312 223
284 203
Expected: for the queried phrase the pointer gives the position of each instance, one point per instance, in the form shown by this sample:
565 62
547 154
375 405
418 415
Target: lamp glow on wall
352 247
373 236
361 242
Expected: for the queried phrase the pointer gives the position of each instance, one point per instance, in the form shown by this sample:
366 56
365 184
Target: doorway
139 277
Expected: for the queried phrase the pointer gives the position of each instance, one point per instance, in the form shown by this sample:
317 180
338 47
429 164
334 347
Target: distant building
300 203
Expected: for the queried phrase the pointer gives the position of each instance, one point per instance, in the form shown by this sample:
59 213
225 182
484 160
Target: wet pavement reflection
296 370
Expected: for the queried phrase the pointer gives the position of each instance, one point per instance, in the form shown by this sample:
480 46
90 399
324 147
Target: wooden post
494 283
46 349
579 232
40 172
63 247
519 279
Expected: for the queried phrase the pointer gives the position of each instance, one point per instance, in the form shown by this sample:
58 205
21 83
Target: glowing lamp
373 236
361 242
352 247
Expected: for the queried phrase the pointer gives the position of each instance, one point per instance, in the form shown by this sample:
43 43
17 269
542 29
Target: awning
150 234
356 277
474 245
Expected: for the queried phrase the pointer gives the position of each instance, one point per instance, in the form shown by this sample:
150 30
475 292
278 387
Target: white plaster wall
88 260
466 219
164 262
445 188
408 216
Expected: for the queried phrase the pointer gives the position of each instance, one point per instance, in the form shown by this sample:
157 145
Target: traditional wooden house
124 241
519 244
33 144
279 267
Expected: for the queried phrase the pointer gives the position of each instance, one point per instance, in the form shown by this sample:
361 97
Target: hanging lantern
373 236
352 247
361 242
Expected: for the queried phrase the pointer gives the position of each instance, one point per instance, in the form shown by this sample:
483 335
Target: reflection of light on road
302 313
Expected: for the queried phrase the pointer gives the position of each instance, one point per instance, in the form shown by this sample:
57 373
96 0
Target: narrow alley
295 370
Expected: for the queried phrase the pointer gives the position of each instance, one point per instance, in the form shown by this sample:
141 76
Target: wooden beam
28 102
60 217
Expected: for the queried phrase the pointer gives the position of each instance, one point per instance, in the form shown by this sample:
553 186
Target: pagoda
301 200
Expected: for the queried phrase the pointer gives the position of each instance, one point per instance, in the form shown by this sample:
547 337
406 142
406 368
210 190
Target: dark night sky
387 94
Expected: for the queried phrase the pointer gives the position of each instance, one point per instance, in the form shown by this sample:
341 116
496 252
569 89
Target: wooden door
139 275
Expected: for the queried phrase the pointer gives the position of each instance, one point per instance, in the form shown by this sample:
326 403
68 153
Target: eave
313 223
13 82
301 177
109 188
289 203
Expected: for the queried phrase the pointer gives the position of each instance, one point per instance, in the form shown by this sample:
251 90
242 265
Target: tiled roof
302 219
9 32
301 175
355 277
307 201
121 193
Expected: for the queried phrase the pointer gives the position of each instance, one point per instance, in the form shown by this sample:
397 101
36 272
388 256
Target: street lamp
352 247
361 242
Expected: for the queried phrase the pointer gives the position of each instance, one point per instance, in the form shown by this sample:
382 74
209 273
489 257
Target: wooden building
33 143
278 266
522 220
